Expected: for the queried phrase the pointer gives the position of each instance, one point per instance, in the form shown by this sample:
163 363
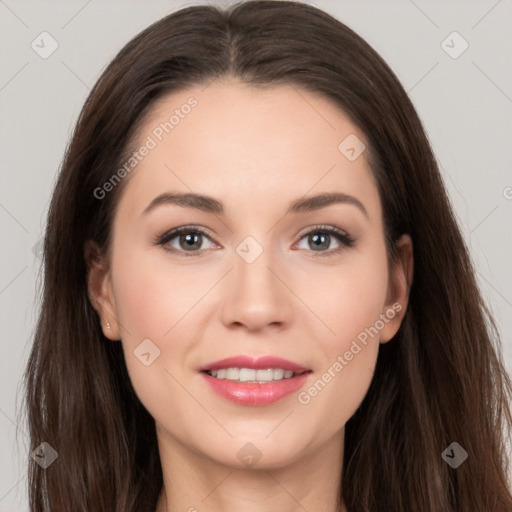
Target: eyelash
344 238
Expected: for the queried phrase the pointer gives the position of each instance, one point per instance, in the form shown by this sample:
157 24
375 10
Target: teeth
246 374
232 374
251 375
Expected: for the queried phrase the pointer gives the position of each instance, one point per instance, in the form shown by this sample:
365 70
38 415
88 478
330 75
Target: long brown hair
440 380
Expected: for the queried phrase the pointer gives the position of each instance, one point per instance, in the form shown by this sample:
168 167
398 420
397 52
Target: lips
255 393
260 363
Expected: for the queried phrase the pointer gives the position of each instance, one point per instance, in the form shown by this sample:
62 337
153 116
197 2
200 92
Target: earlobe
99 288
400 282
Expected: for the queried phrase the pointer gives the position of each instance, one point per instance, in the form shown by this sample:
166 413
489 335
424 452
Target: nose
256 294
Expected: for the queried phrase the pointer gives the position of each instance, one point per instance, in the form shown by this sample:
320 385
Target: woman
256 295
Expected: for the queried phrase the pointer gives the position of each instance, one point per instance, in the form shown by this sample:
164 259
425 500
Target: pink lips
255 394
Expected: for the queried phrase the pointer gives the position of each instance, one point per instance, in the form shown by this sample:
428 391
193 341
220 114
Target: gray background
465 104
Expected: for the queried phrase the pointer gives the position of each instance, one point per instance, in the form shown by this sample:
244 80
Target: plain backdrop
464 101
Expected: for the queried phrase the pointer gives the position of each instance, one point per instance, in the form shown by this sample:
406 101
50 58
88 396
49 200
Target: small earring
108 325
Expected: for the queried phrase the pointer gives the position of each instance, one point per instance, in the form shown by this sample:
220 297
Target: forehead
250 146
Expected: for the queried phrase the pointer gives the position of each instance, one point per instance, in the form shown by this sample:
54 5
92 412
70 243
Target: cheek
352 309
359 303
151 299
149 303
351 297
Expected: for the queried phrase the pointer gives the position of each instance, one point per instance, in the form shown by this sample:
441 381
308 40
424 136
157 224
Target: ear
400 281
99 287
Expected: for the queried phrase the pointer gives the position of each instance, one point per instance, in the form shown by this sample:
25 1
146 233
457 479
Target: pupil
323 244
190 240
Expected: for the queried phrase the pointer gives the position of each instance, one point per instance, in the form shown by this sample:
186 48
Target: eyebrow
210 205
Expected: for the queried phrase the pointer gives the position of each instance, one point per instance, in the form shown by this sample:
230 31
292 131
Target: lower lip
243 393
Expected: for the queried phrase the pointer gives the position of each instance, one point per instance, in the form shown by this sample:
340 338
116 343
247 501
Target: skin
256 150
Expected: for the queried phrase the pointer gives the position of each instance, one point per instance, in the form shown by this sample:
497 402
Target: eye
321 237
192 240
185 239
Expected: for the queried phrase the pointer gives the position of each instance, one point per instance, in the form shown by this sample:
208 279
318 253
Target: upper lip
259 363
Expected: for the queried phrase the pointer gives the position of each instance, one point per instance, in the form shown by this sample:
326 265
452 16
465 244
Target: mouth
254 381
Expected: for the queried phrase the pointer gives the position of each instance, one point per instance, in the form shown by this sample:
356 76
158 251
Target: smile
251 375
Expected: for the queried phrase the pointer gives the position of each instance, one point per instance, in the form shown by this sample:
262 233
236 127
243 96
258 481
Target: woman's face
251 275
